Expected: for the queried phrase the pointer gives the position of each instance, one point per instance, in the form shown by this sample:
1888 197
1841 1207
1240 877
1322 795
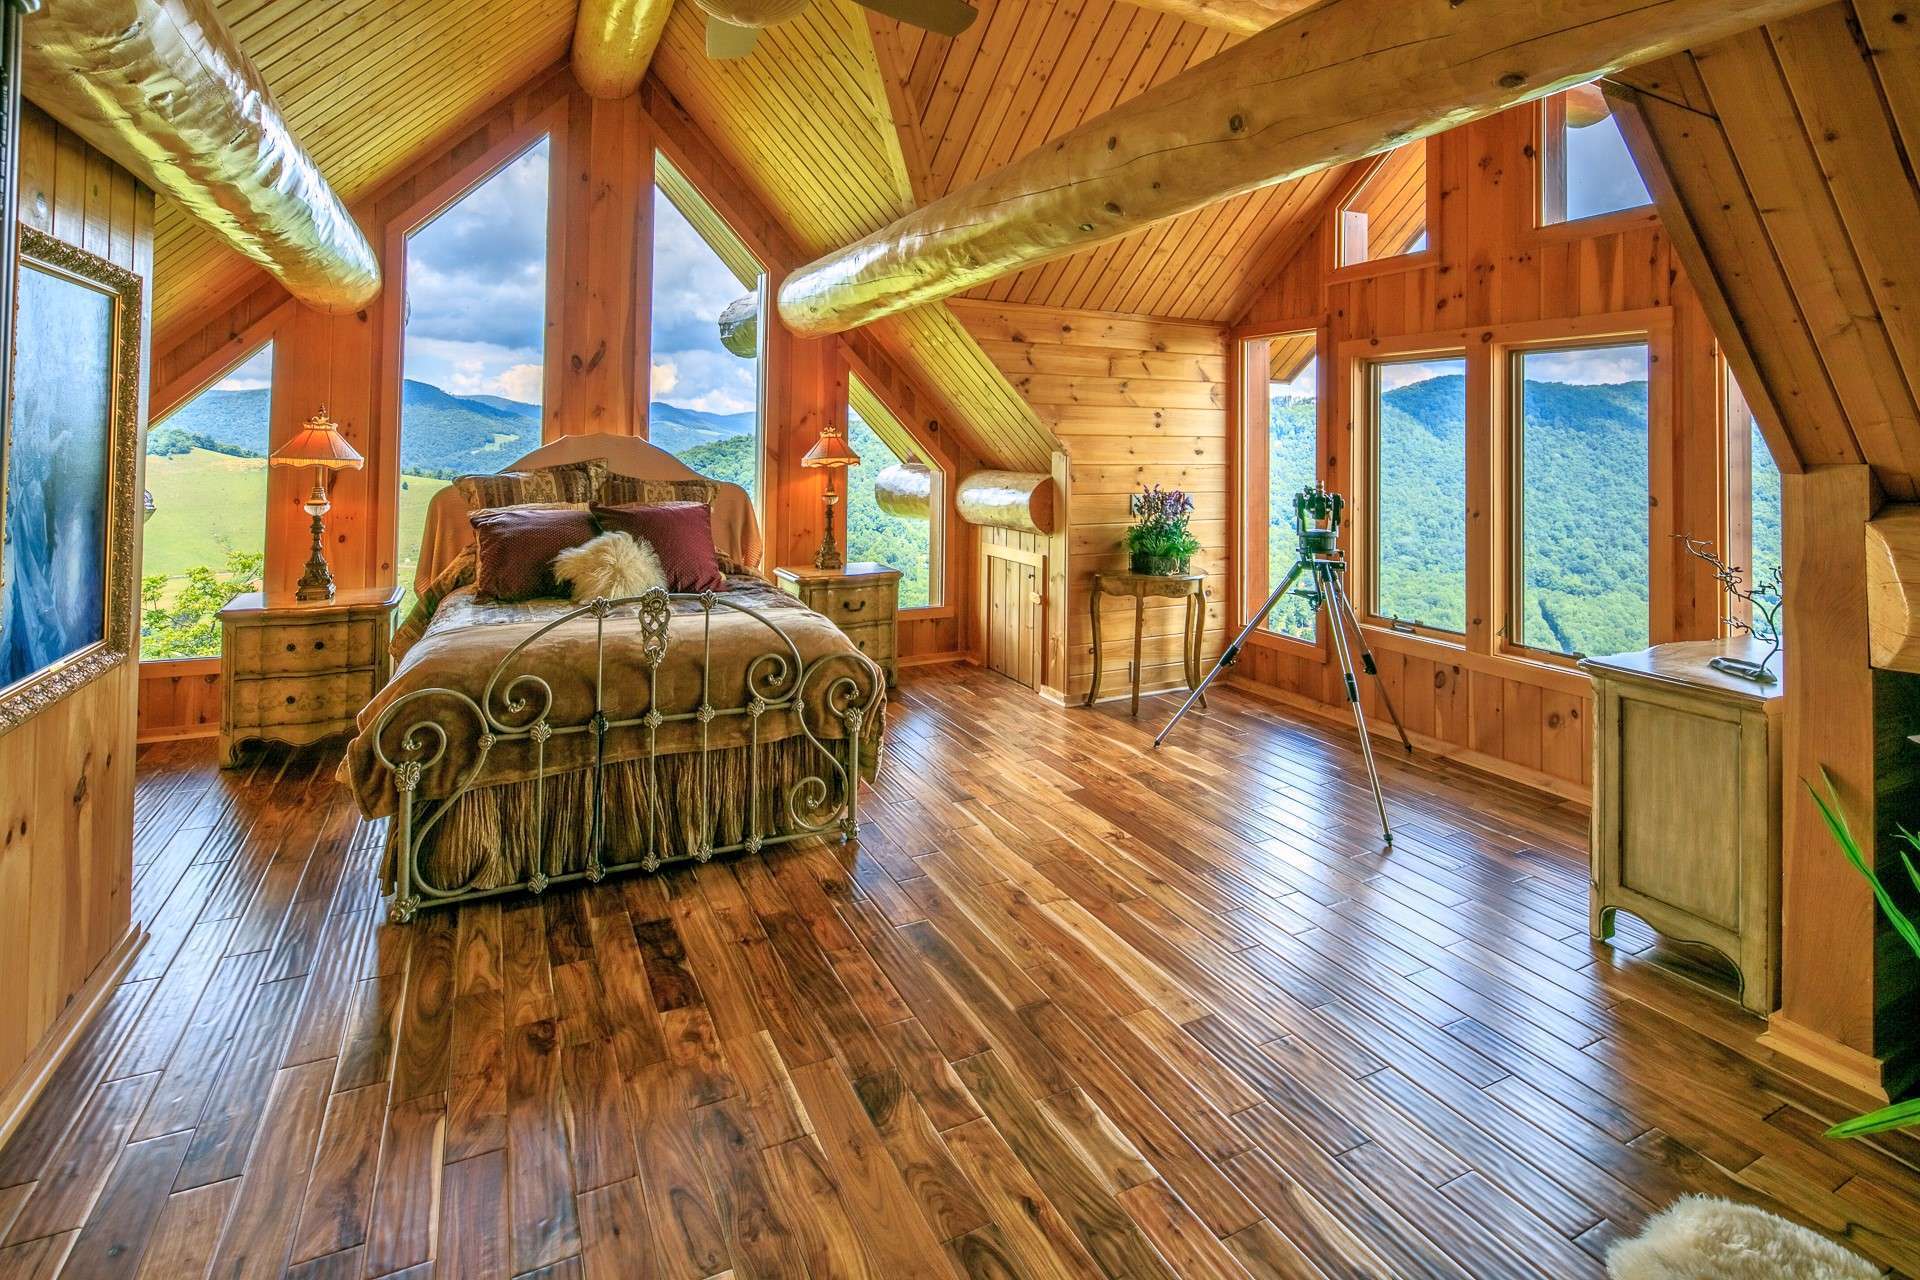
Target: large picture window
705 406
1419 492
893 528
1580 574
205 536
1585 168
474 358
1281 395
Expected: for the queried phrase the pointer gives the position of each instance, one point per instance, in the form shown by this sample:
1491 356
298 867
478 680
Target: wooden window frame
763 287
257 336
939 567
1654 330
1336 270
1361 360
1550 184
1249 482
549 125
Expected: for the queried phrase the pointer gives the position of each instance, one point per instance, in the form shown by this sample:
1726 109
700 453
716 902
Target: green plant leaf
1897 1116
1837 825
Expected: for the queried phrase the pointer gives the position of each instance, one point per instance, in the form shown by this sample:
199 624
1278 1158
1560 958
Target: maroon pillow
681 534
514 548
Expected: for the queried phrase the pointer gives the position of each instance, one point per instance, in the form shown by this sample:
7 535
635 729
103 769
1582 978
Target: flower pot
1142 562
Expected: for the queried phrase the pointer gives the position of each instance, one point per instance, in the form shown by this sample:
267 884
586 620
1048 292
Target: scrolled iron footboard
518 708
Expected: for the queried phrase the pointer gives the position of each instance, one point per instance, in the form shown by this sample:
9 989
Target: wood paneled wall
1491 275
66 776
597 360
1133 401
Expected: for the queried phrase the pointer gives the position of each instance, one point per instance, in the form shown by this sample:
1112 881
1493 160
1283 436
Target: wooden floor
1069 1008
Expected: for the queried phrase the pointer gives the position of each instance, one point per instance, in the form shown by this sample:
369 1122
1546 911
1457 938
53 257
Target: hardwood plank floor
1069 1007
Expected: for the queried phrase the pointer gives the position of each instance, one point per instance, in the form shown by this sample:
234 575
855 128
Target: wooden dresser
297 673
862 599
1686 803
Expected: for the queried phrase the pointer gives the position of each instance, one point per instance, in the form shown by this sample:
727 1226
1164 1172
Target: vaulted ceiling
839 121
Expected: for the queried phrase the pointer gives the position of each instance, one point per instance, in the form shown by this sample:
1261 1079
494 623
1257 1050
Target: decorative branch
1764 599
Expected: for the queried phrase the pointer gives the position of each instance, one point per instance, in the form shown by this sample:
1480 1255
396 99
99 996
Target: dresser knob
291 646
318 645
292 698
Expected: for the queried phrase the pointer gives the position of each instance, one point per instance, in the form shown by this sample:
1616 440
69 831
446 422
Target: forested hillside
1584 514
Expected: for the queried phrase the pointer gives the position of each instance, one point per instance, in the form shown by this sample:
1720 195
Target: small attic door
1013 607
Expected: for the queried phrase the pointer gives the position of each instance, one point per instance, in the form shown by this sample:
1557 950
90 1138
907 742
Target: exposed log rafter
613 43
164 89
1343 80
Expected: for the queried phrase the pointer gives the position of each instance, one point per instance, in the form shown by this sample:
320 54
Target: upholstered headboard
736 531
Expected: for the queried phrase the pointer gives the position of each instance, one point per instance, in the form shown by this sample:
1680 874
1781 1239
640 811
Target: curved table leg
1093 608
1196 631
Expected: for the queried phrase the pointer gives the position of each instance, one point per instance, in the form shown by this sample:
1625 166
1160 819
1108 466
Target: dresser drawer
292 700
875 642
289 649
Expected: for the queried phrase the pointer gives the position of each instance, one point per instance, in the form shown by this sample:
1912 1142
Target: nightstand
297 673
861 599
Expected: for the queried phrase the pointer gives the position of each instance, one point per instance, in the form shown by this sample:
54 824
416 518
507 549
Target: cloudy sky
477 287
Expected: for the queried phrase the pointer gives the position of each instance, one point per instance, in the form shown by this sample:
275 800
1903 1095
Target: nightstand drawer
875 642
294 650
854 606
289 700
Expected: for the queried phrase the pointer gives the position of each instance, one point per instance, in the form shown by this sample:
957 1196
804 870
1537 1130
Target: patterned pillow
628 491
514 548
568 482
681 534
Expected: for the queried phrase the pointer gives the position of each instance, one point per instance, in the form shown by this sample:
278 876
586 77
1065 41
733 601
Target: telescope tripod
1329 596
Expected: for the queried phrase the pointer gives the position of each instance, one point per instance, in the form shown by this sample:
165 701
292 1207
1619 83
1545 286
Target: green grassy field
207 503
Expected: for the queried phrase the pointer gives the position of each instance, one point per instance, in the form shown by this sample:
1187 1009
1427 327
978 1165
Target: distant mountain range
444 435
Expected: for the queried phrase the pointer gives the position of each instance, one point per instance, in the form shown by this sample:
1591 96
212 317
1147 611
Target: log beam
163 88
613 43
1338 82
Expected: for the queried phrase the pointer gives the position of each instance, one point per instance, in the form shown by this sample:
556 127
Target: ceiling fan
733 25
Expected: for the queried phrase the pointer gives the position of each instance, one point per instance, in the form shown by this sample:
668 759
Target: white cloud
1599 365
520 382
665 377
1404 373
719 401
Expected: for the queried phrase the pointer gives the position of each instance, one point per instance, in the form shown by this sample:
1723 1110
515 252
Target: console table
1143 587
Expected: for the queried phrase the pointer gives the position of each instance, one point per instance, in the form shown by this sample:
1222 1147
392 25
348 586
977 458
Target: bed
523 745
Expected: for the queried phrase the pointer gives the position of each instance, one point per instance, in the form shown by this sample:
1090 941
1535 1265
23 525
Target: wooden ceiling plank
1872 184
1893 41
959 108
1022 76
1770 143
1714 225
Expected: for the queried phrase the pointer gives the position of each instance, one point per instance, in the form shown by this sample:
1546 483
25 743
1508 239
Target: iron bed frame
517 709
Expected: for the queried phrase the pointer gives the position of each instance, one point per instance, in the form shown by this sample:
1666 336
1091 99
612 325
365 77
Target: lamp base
828 556
316 584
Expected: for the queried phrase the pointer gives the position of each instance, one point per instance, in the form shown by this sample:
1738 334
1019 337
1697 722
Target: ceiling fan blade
724 40
943 17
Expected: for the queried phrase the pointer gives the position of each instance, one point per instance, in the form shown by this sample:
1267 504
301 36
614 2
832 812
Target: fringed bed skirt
493 837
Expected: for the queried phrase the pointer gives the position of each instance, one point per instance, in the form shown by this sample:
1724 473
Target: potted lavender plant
1161 540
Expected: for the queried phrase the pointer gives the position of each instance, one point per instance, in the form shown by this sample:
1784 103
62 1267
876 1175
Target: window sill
1382 266
1443 647
1599 224
180 667
928 611
1292 646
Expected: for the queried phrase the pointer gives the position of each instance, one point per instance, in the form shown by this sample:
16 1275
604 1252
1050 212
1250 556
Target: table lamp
317 444
832 451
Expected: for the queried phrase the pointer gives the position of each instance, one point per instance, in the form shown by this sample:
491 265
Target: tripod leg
1329 583
1344 608
1231 654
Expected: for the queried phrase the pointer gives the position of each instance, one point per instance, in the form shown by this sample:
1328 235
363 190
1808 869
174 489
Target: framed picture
67 462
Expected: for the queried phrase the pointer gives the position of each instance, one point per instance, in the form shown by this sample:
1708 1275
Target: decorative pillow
610 567
681 534
626 491
568 482
514 547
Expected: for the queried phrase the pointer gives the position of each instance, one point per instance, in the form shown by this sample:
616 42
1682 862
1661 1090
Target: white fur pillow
611 566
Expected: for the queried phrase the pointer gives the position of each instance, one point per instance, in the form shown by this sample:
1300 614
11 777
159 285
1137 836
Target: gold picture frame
55 409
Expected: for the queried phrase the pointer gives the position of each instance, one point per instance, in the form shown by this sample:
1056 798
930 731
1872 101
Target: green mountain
443 436
1584 514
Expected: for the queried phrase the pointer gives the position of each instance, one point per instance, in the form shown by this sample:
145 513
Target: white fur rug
1703 1238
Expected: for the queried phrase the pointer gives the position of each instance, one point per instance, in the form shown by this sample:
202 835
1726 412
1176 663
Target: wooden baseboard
1859 1072
79 1014
1573 793
179 733
932 659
